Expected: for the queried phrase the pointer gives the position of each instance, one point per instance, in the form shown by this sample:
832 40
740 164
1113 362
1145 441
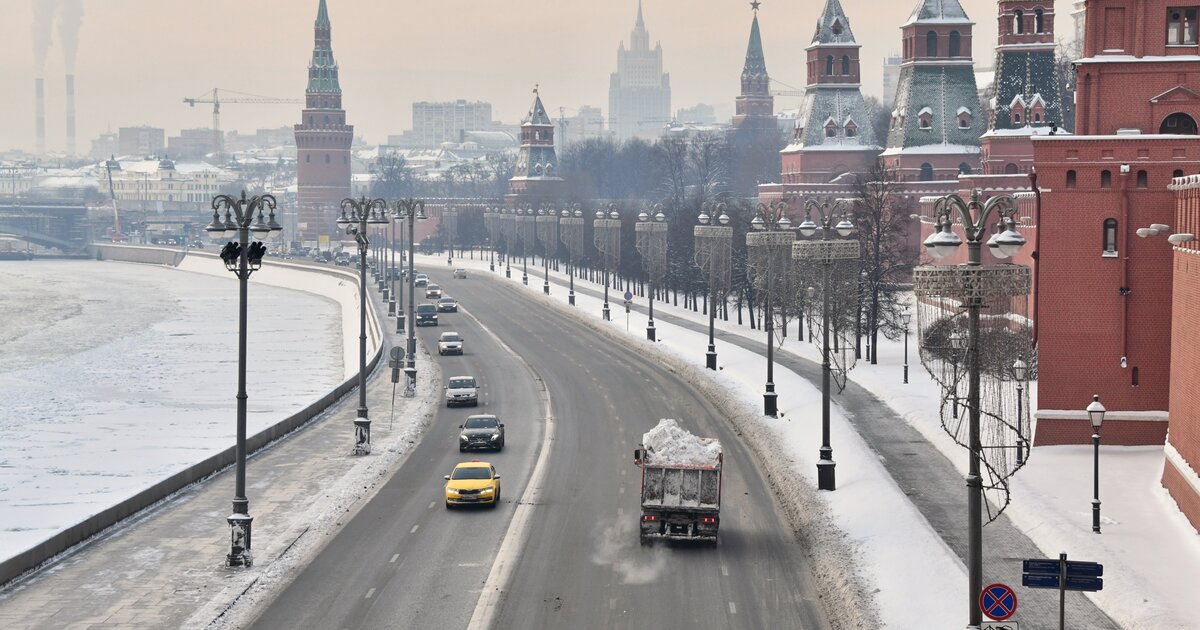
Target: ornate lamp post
490 223
242 257
527 231
450 220
825 252
652 245
714 247
389 294
570 228
413 210
508 225
1020 372
1095 412
547 233
770 258
906 318
606 234
973 287
363 212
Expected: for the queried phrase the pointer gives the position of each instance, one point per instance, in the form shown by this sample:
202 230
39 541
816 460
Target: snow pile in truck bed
671 444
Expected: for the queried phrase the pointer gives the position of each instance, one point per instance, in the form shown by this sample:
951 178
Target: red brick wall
1053 431
818 167
1185 330
1187 498
946 167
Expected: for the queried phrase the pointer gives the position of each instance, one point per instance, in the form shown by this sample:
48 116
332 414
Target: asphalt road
581 566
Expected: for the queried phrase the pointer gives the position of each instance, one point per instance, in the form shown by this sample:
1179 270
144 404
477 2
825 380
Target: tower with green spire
755 138
755 105
322 140
535 178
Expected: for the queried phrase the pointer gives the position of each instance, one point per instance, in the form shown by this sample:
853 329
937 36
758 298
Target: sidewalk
164 567
904 434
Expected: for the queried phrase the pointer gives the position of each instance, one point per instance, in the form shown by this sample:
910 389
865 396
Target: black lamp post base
546 287
491 266
391 307
651 332
607 313
906 374
710 358
410 382
771 404
1096 516
508 273
525 279
239 541
387 294
571 298
400 322
826 477
362 436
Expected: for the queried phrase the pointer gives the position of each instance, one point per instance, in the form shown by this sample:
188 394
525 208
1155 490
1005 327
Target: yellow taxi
473 483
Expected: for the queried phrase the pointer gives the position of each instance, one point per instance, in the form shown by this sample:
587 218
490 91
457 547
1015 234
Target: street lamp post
390 255
526 229
713 256
547 233
1095 412
826 251
571 234
772 245
972 283
607 238
652 245
413 210
362 213
450 220
489 222
242 257
1020 372
508 226
906 318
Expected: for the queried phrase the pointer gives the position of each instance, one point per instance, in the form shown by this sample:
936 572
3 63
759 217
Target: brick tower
755 139
1026 93
1104 317
535 179
322 142
935 125
834 135
755 105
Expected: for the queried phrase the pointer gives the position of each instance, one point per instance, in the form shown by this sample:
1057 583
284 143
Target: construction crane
213 96
109 165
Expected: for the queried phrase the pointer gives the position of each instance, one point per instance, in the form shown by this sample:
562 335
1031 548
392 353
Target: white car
433 292
450 343
461 390
460 274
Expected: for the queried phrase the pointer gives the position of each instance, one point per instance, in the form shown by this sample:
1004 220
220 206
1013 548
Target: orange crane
213 96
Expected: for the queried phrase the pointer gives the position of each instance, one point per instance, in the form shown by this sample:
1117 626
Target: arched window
927 172
1070 179
830 129
829 65
845 64
1039 21
1179 123
931 44
1143 180
1018 21
837 27
964 169
1110 237
1178 173
851 129
1106 179
1010 169
955 44
925 118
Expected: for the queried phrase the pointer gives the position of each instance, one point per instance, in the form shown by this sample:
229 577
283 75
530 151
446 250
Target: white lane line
622 472
518 529
724 570
370 593
622 490
732 608
612 603
395 556
414 529
431 504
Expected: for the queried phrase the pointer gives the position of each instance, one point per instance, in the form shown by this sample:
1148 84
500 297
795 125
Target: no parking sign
998 602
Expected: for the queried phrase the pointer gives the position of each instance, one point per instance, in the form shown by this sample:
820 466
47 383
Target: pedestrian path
164 567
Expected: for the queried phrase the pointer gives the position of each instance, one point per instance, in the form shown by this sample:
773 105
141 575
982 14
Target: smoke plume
69 21
43 23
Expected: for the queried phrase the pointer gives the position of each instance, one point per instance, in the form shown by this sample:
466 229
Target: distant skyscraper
435 123
891 78
639 92
322 141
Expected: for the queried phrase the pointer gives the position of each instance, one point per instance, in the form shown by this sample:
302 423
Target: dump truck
681 484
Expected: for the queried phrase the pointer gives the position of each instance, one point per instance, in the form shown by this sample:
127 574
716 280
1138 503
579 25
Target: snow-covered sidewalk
1148 583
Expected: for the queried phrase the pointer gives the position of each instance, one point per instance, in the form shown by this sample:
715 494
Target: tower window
837 27
955 44
964 169
845 64
927 172
931 44
1010 169
1070 179
851 129
1178 173
1110 237
1019 22
1181 26
829 65
830 129
1106 179
1143 180
1039 21
926 119
1179 123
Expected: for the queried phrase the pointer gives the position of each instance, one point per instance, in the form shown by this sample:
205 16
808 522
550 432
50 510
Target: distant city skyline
137 60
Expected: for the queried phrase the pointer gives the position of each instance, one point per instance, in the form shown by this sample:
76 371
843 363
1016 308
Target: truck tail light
708 520
649 517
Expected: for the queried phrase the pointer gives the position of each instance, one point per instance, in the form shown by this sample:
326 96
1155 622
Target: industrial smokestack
70 115
39 89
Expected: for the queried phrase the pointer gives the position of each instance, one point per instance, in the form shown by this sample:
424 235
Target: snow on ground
673 445
116 375
1150 551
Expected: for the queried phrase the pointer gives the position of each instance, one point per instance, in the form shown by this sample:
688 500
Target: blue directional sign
1040 566
1084 569
1037 580
1084 584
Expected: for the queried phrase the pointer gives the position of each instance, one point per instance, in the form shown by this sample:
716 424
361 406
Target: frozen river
116 375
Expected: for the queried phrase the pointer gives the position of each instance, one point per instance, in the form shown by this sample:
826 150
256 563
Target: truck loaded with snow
681 484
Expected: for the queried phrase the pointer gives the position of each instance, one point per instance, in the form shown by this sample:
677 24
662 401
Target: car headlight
487 491
495 436
462 437
451 491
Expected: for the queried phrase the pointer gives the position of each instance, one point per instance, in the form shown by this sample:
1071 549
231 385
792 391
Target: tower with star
535 180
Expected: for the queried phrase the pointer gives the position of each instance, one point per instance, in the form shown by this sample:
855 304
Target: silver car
450 343
461 390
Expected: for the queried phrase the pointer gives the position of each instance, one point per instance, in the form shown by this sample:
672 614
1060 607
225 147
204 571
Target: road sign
1035 580
1038 580
998 602
396 353
1074 568
999 625
628 296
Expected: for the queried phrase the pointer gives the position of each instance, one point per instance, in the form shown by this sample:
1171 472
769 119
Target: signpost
628 303
998 602
1063 575
999 625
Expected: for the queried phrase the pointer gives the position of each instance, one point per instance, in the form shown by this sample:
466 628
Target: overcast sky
137 59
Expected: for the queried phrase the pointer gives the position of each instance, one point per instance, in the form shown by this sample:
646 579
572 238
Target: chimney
70 115
39 87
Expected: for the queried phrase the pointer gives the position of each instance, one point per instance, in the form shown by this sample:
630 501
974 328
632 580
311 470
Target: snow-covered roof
1041 130
831 104
934 149
670 444
938 12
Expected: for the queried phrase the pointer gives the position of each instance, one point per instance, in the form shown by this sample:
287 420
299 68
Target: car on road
450 343
473 483
342 259
447 305
462 390
394 273
460 274
426 315
421 280
321 258
481 431
433 292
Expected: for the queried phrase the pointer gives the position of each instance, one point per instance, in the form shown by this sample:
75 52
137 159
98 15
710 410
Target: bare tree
881 216
673 161
708 157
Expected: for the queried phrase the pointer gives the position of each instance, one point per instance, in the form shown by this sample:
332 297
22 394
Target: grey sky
138 59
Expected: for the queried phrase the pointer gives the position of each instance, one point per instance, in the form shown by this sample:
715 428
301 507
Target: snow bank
672 445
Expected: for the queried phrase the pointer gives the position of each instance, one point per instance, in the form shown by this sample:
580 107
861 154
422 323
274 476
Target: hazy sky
138 59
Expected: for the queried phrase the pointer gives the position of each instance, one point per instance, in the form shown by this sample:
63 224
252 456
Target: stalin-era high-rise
322 142
639 92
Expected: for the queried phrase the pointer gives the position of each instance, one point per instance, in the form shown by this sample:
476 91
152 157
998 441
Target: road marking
370 592
732 608
431 504
622 490
622 472
414 529
395 556
725 570
612 603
